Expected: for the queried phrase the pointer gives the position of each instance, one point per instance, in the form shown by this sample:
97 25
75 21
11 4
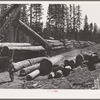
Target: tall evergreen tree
67 21
56 20
74 29
78 20
95 32
71 19
36 18
79 17
86 28
91 32
24 18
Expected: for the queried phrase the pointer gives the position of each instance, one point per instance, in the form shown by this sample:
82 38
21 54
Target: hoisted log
45 67
26 63
14 44
28 31
29 69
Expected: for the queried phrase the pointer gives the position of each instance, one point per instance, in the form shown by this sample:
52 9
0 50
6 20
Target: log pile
69 44
56 44
25 50
34 67
21 51
29 69
45 67
26 63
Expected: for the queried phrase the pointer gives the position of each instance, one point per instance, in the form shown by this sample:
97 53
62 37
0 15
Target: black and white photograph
50 45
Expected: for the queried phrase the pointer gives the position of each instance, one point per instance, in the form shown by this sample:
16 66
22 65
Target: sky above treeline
91 9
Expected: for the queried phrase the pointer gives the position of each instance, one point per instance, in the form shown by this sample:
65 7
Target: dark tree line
63 22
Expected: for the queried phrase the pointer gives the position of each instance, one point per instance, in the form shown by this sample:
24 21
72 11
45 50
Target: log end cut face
28 77
79 59
45 67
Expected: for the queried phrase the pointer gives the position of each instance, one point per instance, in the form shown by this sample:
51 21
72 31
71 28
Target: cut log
71 58
90 56
27 46
51 75
28 31
45 66
56 44
52 41
25 63
53 60
79 59
66 62
58 47
14 44
29 69
56 71
59 73
33 74
72 63
22 53
30 48
66 70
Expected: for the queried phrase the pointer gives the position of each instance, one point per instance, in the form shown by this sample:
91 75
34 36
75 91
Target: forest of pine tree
63 22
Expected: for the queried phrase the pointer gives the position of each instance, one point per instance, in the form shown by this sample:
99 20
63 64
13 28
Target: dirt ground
79 78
